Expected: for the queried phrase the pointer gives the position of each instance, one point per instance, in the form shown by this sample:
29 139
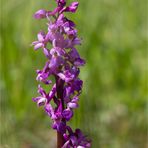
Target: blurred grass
113 104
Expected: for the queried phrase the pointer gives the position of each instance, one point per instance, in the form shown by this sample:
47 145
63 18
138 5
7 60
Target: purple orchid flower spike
63 64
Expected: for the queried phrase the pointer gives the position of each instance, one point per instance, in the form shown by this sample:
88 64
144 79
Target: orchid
63 63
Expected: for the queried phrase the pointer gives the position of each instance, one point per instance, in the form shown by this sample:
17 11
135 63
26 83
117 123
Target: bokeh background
113 103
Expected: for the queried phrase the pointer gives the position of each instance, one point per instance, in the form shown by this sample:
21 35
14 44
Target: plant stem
59 86
60 140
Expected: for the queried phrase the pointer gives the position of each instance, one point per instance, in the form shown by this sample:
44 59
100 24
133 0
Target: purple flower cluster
63 62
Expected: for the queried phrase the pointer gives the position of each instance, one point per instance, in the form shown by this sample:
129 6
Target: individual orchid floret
60 126
76 139
42 75
55 62
41 100
40 14
41 41
67 76
67 114
73 103
72 41
50 111
73 7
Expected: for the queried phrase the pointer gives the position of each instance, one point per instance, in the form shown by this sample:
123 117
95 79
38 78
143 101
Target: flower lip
41 101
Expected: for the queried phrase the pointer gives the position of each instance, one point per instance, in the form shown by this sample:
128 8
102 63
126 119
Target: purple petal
37 46
67 114
55 62
41 36
41 101
72 105
47 53
60 18
79 62
74 54
51 13
41 76
74 140
62 76
77 84
77 41
60 1
52 92
40 14
75 99
59 126
35 42
73 7
58 51
69 130
62 127
41 91
67 92
49 110
36 99
68 76
72 33
81 146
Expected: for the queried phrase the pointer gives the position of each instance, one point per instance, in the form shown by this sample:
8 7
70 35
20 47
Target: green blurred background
113 103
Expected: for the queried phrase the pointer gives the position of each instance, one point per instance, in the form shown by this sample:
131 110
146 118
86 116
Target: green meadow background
113 104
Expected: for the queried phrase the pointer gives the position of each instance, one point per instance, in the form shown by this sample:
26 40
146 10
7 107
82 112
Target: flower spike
63 63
